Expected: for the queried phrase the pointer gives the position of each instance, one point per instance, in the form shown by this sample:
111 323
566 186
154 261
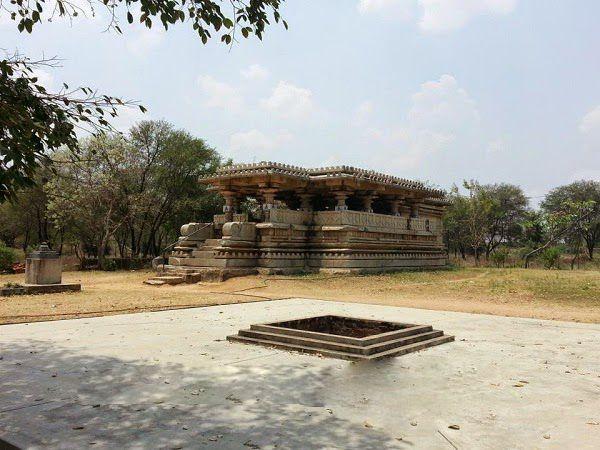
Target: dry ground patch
544 294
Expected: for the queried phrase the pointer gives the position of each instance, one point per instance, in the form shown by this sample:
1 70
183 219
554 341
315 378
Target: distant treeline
491 219
127 196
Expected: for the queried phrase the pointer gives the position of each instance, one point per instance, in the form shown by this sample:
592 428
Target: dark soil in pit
342 326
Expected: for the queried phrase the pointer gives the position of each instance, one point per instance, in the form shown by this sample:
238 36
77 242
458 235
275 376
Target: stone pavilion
279 218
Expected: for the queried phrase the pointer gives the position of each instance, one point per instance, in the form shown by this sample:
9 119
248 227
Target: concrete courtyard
170 380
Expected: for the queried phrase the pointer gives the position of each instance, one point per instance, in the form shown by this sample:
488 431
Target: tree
84 196
24 220
490 215
34 122
455 220
160 185
560 200
205 16
507 211
566 225
134 191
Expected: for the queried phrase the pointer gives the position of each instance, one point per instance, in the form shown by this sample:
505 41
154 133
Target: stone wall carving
289 216
219 219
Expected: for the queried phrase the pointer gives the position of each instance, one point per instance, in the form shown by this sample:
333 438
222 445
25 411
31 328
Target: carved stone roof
322 173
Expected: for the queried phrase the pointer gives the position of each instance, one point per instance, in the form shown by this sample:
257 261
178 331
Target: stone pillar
229 205
341 197
268 195
395 206
414 210
367 201
305 202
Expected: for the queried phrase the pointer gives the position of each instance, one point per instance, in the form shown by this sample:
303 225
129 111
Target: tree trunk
590 244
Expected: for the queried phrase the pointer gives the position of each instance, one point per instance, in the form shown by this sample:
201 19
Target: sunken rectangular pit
344 337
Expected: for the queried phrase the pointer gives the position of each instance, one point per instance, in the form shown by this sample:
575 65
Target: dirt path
561 295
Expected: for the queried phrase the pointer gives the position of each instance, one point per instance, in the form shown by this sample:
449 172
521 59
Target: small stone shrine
43 274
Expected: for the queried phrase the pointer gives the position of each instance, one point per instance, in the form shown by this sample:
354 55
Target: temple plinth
333 218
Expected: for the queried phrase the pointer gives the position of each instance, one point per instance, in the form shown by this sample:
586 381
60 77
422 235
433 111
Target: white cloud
363 112
145 39
390 9
219 94
255 72
289 101
437 16
590 123
448 15
442 115
256 145
590 129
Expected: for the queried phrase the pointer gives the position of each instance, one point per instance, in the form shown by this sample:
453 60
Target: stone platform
26 289
170 380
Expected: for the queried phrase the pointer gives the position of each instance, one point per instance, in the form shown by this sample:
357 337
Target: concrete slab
170 380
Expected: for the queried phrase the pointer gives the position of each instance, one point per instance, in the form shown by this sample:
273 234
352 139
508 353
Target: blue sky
438 90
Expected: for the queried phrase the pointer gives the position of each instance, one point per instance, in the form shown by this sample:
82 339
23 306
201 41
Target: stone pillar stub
340 197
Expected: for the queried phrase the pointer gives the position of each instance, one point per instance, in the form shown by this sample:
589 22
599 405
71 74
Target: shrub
7 257
499 257
109 265
551 257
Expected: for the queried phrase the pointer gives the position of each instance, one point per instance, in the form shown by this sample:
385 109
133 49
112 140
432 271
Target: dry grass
561 295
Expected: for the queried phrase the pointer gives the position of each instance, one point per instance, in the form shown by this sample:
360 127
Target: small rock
454 427
546 436
78 427
368 425
413 423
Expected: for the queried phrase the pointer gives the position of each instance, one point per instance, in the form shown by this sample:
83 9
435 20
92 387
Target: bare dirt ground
543 294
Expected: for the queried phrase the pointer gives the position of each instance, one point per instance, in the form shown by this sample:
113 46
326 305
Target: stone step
344 355
338 346
369 340
197 263
169 279
184 249
413 347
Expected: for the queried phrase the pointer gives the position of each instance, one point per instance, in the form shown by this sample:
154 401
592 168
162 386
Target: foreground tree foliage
34 122
204 16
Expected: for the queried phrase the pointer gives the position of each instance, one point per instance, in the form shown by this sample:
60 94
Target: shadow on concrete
64 397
